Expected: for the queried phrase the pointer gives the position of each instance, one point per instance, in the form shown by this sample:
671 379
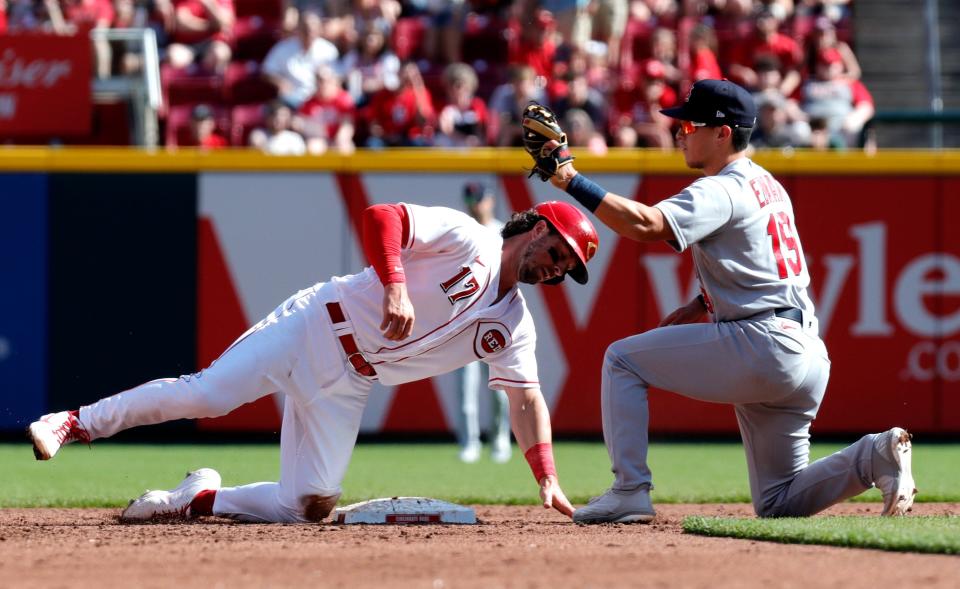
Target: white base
404 510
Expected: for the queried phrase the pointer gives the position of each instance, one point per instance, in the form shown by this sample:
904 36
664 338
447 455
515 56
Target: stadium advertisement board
886 285
185 261
44 84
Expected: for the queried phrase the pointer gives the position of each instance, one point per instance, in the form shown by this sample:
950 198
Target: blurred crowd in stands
307 76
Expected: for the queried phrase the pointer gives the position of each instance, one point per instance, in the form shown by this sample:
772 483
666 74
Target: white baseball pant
292 351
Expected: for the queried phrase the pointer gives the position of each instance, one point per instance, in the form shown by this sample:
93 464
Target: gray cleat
619 507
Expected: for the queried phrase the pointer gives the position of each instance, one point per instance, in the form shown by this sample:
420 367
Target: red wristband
540 458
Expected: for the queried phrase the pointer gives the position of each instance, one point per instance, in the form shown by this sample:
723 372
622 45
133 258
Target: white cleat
501 451
53 431
894 476
617 507
173 504
470 453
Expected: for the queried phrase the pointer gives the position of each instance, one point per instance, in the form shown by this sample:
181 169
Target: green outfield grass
933 534
108 474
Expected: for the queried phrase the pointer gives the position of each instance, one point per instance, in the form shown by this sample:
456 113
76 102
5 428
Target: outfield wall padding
121 267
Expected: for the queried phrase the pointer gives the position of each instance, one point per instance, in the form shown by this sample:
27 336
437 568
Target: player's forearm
529 417
628 218
531 426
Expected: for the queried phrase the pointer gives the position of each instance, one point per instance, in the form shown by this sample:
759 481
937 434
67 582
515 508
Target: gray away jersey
745 245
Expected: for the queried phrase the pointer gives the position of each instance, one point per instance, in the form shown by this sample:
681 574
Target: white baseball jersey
759 266
452 268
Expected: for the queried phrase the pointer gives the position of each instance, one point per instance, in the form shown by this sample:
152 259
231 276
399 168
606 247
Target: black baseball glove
540 125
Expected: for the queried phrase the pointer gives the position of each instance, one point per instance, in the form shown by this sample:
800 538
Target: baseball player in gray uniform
761 351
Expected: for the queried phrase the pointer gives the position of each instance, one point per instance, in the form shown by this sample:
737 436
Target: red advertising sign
885 282
44 85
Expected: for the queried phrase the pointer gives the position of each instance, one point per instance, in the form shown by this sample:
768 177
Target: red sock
202 504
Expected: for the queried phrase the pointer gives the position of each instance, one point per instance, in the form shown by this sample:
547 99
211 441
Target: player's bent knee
613 356
317 507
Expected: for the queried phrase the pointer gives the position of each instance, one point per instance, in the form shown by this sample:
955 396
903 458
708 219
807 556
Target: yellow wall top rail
491 160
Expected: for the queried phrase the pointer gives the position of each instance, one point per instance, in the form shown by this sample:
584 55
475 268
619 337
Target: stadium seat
253 37
243 85
181 86
244 119
270 10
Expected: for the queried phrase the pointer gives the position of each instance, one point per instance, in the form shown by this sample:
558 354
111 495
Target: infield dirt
510 547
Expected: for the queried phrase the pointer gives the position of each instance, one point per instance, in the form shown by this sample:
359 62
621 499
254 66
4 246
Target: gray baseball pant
774 374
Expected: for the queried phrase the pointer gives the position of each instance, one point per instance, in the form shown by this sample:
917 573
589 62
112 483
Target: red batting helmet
577 231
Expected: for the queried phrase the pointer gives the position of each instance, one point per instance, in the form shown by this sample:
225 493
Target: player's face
694 141
547 256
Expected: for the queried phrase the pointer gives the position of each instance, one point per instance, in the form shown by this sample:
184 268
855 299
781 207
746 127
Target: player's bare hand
552 496
565 173
398 313
692 312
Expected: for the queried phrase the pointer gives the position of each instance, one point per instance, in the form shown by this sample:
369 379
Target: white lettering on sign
928 275
16 71
8 106
927 361
872 239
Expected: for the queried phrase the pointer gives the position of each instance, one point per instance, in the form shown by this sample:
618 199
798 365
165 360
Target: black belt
791 313
349 344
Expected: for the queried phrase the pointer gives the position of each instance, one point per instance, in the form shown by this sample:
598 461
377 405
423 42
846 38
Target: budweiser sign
44 85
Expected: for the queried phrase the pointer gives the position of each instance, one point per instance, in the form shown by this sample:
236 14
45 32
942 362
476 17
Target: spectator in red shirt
533 44
463 119
703 54
203 31
635 118
327 119
404 117
663 48
823 38
203 129
767 40
844 104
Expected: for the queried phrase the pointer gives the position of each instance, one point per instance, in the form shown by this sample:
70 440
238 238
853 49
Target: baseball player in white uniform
760 352
441 292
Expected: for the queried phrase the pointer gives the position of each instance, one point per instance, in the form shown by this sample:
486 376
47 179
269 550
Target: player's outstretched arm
530 419
628 218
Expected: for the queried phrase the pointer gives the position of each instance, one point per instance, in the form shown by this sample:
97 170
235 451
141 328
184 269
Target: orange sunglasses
689 127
